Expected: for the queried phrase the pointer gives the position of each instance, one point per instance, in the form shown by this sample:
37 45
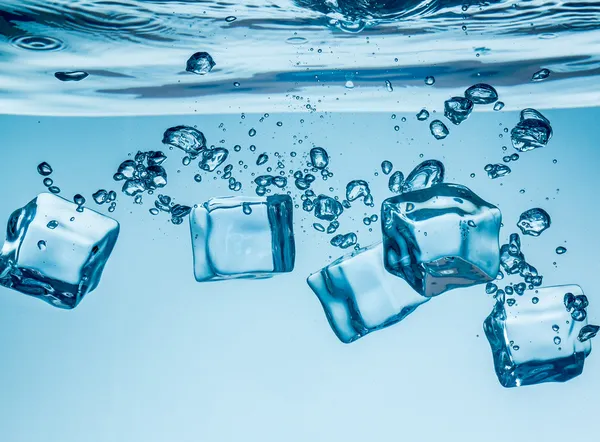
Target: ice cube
242 237
535 339
441 238
55 252
359 296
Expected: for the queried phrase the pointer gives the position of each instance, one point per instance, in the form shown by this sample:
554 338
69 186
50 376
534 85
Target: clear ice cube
440 238
359 296
535 338
242 237
55 252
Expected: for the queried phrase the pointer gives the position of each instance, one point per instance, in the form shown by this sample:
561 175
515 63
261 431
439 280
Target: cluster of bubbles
164 203
103 196
458 109
45 170
576 305
193 143
532 131
512 261
142 174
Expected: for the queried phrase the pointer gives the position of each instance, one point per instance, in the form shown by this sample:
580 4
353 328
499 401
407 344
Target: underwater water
154 355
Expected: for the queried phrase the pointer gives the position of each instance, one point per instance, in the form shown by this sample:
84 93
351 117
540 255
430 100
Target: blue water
153 355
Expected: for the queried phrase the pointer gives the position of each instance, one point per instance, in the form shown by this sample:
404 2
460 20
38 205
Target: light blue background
152 355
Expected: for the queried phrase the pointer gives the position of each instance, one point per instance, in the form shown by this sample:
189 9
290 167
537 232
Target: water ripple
135 51
37 43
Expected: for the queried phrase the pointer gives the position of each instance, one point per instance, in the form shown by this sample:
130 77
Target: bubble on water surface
458 109
481 94
41 245
423 115
438 129
71 75
230 18
44 169
540 75
430 80
534 221
296 40
200 63
53 224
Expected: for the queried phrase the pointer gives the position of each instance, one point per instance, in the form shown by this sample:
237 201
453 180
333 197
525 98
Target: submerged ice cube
54 251
359 296
440 238
242 237
535 339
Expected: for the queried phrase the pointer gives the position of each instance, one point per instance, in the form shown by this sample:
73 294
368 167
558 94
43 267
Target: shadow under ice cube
242 237
536 339
359 296
441 238
54 251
